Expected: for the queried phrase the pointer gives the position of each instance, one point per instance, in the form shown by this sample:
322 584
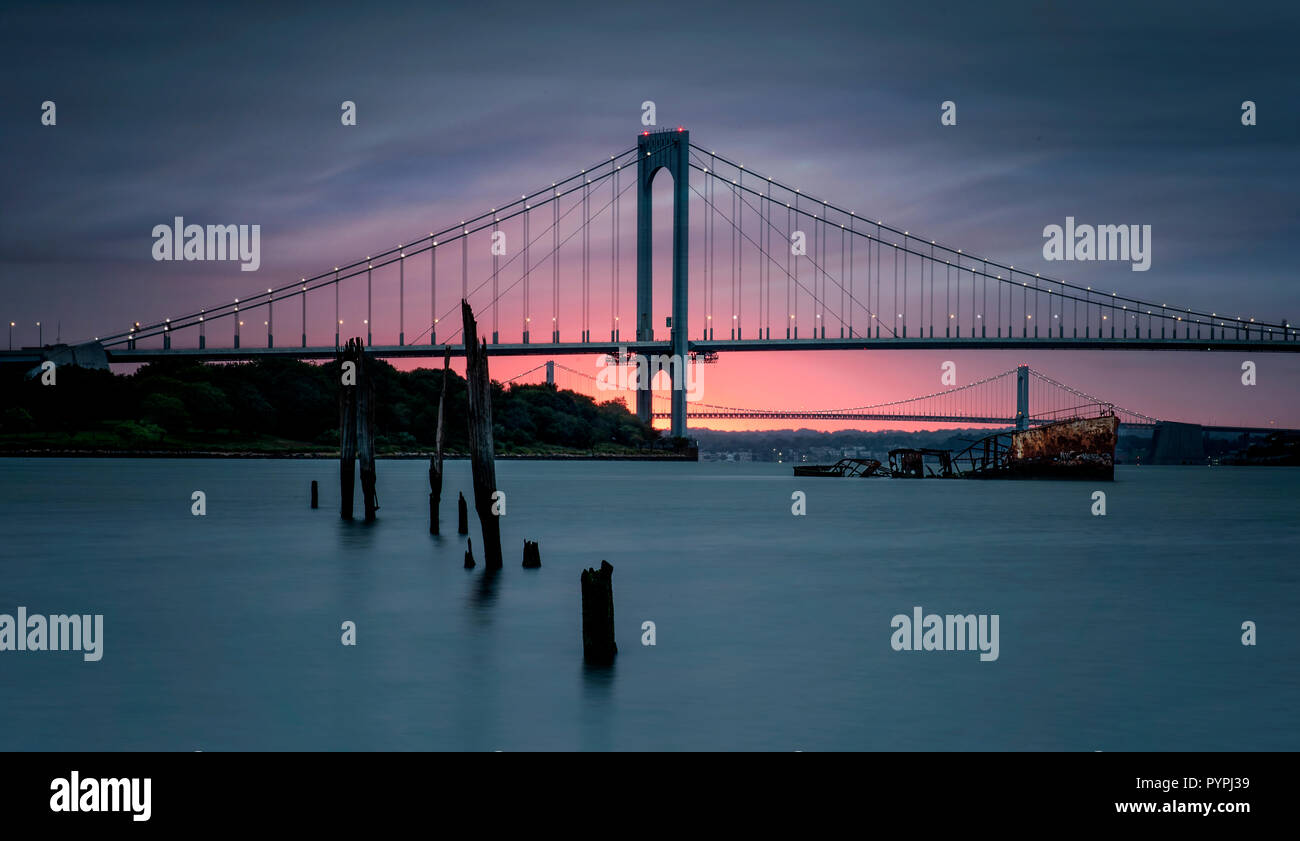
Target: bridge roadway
124 355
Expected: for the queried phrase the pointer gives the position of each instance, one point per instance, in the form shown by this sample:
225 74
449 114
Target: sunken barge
1080 448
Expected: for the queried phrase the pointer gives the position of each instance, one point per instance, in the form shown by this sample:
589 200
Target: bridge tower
668 150
1022 397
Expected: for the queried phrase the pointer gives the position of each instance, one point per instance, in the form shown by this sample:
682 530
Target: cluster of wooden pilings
357 443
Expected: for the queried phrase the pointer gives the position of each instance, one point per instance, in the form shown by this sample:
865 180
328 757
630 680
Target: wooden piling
462 516
315 495
481 447
598 644
366 432
532 555
347 438
357 433
469 554
435 463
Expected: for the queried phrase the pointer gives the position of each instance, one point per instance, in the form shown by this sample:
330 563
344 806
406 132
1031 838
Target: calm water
222 632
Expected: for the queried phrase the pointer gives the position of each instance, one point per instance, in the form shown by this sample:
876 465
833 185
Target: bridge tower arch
1022 397
669 150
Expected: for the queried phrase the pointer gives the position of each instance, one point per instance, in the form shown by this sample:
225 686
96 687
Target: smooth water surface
222 632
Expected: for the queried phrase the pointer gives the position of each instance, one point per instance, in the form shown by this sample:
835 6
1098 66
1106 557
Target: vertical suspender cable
789 313
618 255
894 308
613 253
527 272
733 260
766 267
740 254
794 311
555 268
591 274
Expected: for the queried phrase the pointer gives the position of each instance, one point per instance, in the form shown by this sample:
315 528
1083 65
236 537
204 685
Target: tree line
175 403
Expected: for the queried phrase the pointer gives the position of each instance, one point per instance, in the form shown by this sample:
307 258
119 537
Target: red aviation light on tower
679 128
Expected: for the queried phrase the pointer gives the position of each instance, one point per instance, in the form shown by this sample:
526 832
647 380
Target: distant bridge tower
655 151
1022 397
550 372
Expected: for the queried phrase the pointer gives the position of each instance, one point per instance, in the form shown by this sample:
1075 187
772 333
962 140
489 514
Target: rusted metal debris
851 467
921 463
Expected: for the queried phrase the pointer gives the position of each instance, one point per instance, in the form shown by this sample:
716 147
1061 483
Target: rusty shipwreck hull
1082 448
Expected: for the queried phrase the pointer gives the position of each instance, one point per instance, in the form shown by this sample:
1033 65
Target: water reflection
356 534
596 725
485 593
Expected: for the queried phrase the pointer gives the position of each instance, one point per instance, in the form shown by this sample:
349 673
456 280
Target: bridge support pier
1022 397
663 150
1177 443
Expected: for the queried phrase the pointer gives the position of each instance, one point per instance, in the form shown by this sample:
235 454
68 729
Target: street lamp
40 335
11 335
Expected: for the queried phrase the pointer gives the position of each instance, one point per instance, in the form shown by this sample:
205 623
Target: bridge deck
120 354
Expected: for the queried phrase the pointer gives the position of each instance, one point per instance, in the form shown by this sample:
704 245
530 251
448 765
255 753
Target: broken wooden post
598 614
482 455
462 516
435 463
347 430
532 555
469 554
366 432
315 495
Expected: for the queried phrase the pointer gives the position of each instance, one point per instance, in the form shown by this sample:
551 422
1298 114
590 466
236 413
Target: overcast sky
1111 113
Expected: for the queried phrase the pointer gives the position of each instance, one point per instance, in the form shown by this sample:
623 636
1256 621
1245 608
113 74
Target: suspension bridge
1036 398
756 265
985 401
